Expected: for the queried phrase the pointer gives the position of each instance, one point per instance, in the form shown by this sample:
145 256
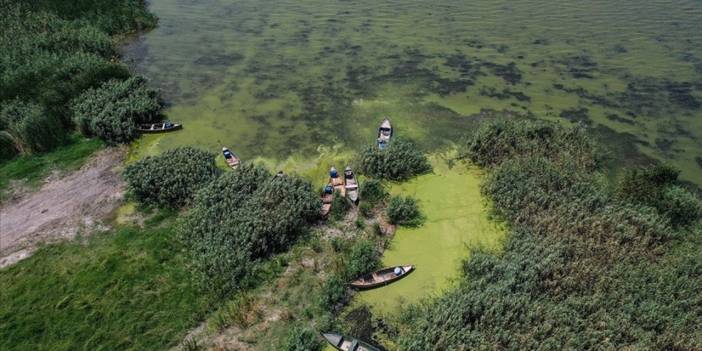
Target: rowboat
231 158
384 133
327 199
382 277
336 181
344 343
350 185
158 127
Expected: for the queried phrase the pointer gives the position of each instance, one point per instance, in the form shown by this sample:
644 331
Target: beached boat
160 127
384 134
336 181
231 158
345 343
382 277
350 185
327 199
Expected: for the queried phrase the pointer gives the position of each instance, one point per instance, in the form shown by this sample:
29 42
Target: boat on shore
327 199
345 343
161 127
351 185
382 277
336 181
231 158
384 134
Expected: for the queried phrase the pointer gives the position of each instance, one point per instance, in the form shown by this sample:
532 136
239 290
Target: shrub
362 258
113 111
373 192
30 128
401 160
340 206
403 211
681 206
334 293
241 218
172 178
8 149
302 339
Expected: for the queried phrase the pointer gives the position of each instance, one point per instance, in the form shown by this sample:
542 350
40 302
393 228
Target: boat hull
343 343
364 283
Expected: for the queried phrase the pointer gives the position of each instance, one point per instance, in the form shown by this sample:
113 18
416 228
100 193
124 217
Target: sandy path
61 207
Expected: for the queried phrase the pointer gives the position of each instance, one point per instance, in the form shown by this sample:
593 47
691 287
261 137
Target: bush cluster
51 51
113 110
401 160
171 178
580 267
340 206
302 339
404 211
241 218
362 258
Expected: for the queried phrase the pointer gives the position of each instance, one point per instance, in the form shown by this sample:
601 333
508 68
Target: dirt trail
61 207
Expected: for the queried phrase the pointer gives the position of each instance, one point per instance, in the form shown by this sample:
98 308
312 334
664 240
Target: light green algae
457 219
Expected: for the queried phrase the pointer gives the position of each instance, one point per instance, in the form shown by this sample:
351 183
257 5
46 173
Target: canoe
384 133
161 127
345 343
350 185
382 277
336 181
327 199
231 158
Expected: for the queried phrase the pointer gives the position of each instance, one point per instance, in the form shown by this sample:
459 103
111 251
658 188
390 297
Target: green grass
34 168
123 290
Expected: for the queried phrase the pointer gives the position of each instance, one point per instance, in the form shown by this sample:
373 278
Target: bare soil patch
62 207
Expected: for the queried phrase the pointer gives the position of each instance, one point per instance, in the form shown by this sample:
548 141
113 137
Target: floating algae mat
278 78
456 220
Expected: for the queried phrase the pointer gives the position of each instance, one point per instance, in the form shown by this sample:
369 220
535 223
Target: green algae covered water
456 220
300 85
279 78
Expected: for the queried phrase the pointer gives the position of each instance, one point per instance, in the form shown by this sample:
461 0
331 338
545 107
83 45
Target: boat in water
336 181
231 158
384 134
345 343
382 277
161 127
351 185
327 199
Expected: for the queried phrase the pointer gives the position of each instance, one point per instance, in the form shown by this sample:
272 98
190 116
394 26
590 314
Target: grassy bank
32 169
124 289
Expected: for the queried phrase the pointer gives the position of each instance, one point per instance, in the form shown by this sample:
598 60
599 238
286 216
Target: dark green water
277 79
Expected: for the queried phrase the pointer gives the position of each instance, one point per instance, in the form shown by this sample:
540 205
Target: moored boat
384 134
382 277
336 181
345 343
160 127
327 199
231 158
350 185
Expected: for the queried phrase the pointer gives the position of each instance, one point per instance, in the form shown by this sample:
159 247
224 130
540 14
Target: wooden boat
382 277
327 199
344 343
161 127
384 133
231 158
350 185
336 181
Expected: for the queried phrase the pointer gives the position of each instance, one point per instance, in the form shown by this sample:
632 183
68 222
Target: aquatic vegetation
51 51
404 211
400 160
572 249
172 178
240 219
29 129
113 110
